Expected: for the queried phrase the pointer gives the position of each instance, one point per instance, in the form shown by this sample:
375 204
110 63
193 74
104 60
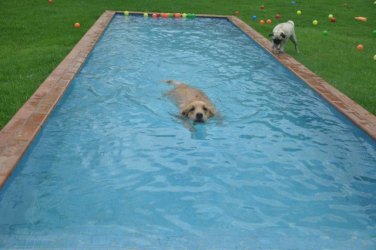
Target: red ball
50 1
278 16
165 15
360 47
268 21
333 19
262 7
154 15
77 25
177 15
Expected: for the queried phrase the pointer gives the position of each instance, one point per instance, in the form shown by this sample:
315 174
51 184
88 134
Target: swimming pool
112 167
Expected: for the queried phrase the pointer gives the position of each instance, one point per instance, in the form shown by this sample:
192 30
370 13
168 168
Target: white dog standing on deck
281 34
193 103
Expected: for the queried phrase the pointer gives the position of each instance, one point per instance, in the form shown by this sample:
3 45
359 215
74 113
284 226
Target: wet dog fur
192 103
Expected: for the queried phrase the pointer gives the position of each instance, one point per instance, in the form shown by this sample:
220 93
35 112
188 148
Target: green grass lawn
35 36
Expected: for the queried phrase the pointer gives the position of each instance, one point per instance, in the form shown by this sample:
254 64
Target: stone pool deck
20 131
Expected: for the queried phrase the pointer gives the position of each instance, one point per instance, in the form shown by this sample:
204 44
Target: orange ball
154 15
360 47
237 13
177 15
268 21
262 22
50 1
165 15
77 25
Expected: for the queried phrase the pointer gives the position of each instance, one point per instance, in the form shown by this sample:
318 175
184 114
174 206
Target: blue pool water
113 167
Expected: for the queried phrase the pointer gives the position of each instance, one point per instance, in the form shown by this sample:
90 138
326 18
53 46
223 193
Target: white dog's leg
282 46
294 40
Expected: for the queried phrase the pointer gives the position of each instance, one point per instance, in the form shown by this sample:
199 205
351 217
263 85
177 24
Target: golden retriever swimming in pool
193 103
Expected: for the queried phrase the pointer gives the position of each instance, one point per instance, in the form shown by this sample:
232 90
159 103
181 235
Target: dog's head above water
198 111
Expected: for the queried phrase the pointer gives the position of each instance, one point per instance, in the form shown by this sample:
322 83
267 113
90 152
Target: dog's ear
185 110
283 35
211 110
271 34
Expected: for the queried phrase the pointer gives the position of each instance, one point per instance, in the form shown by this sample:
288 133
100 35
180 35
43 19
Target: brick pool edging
20 131
352 110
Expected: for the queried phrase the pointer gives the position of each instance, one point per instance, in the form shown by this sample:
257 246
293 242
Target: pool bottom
119 237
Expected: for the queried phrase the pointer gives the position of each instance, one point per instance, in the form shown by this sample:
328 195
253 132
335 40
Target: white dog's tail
172 82
291 22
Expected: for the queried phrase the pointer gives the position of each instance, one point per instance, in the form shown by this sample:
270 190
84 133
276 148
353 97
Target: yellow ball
315 22
126 13
299 12
146 14
374 57
330 16
184 15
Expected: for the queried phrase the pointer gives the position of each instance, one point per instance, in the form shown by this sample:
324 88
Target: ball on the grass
315 22
293 2
374 57
374 32
278 16
268 21
299 12
262 22
325 32
262 7
254 18
50 1
333 19
77 25
360 47
330 16
237 13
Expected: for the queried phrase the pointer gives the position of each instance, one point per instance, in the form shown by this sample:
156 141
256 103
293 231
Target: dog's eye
205 109
192 109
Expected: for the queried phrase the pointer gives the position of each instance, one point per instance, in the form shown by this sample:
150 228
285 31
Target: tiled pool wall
20 131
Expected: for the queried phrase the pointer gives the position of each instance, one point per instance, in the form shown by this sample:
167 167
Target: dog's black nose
199 116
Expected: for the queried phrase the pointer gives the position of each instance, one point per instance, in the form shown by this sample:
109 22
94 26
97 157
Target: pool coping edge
345 105
20 131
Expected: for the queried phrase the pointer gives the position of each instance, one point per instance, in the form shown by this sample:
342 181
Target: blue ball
293 2
254 18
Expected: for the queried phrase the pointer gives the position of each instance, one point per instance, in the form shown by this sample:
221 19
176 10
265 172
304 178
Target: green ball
374 32
325 33
170 15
